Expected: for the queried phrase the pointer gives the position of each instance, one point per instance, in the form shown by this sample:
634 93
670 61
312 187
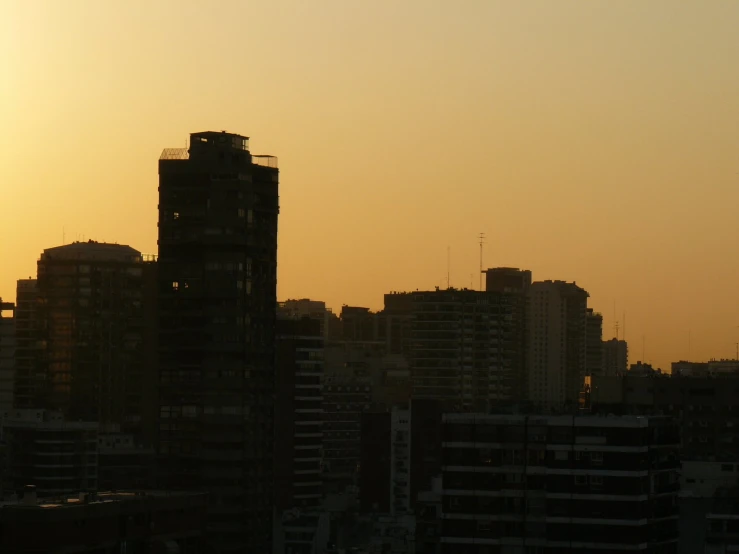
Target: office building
467 348
217 273
557 345
615 357
314 309
54 455
7 355
90 325
551 484
29 374
154 521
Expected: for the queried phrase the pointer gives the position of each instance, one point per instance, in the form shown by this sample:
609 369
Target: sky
591 141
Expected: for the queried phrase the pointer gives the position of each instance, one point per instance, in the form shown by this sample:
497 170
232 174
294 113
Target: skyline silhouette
592 144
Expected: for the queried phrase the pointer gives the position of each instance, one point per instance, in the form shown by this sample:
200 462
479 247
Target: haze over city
590 141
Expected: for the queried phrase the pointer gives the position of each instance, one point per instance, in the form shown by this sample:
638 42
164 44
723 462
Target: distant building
359 325
7 355
217 279
314 309
704 407
90 324
466 348
351 373
516 285
557 344
155 522
30 376
715 368
298 413
559 484
54 455
594 343
615 357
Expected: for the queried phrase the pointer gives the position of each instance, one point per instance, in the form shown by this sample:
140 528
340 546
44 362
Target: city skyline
582 156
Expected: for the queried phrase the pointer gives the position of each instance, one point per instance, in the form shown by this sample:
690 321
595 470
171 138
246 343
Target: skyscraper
217 273
557 344
89 316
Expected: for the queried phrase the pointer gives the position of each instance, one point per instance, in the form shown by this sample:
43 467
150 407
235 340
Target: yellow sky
591 141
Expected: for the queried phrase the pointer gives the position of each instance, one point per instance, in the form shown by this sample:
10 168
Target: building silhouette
516 284
615 357
594 343
90 329
559 484
29 374
466 348
7 354
557 344
217 268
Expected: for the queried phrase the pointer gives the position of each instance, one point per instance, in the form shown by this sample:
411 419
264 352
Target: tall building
29 374
516 284
594 343
217 273
89 313
557 344
298 414
7 355
466 348
551 484
615 357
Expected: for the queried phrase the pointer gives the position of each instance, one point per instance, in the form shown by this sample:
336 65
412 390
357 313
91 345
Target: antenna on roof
64 236
448 258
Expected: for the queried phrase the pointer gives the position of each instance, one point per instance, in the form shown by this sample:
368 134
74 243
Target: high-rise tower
217 273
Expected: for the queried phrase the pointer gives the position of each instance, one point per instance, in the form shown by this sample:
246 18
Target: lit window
175 285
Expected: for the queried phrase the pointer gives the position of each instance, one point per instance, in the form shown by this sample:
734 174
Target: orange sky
591 141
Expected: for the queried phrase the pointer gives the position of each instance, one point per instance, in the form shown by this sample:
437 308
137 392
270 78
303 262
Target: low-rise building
156 521
559 484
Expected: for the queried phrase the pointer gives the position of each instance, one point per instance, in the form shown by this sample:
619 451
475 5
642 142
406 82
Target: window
596 458
175 285
596 481
561 455
175 215
727 467
581 480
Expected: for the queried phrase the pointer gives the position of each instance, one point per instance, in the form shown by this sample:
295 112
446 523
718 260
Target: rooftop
92 250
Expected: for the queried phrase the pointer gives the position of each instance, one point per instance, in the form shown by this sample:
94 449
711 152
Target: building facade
29 377
549 484
155 521
557 345
217 275
45 451
7 355
466 351
298 414
594 343
615 357
89 317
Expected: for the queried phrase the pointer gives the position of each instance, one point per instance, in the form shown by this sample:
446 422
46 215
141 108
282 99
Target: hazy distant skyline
591 141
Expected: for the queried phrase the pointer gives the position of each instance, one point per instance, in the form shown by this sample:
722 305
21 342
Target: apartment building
546 484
